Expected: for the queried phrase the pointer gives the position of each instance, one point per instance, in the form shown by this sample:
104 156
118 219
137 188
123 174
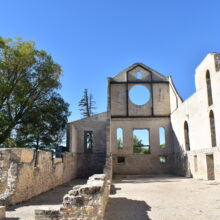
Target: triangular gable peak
139 72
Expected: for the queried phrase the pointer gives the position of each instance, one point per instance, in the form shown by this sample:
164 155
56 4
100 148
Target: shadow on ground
11 218
113 189
126 209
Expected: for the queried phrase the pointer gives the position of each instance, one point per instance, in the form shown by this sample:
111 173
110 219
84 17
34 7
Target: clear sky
96 39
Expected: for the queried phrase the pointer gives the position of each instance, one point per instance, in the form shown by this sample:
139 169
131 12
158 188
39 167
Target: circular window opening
139 95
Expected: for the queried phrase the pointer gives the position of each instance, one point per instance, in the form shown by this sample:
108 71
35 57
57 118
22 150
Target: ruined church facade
190 128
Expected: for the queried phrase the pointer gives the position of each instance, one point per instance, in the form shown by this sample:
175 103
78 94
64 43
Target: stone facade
21 179
203 155
90 161
86 202
192 128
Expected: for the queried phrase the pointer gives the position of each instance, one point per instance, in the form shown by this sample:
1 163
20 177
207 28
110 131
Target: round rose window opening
139 95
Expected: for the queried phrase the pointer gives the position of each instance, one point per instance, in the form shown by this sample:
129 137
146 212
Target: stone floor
163 198
49 200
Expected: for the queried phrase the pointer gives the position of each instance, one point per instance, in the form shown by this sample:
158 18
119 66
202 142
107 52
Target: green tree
138 146
87 104
119 143
45 126
29 79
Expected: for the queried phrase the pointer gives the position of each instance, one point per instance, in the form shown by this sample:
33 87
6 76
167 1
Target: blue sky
93 40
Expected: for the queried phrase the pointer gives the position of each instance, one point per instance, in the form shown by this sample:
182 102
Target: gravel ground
163 198
49 200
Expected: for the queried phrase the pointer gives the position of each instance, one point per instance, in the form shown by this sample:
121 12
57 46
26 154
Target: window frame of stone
122 139
91 140
165 139
149 145
209 88
212 128
186 136
164 157
123 159
139 75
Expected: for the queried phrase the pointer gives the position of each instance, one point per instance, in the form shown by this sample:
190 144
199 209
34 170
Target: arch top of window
209 88
186 125
207 74
211 114
138 75
212 128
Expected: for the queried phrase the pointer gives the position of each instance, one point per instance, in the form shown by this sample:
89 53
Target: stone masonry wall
20 180
84 202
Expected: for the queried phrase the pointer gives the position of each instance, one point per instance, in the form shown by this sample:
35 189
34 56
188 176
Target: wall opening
139 95
186 135
209 88
212 128
138 75
121 160
195 163
163 159
141 141
162 137
119 135
88 141
210 167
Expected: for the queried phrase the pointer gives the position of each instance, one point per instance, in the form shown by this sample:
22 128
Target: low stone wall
84 202
20 179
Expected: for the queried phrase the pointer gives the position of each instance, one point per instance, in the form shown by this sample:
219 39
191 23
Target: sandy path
49 200
164 198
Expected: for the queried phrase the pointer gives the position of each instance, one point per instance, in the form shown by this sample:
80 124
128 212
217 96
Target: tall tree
29 79
87 104
45 125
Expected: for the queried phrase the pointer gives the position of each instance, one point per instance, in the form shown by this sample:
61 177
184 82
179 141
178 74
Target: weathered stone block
90 190
47 215
2 212
4 163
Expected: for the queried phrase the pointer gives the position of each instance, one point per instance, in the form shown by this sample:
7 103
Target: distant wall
20 180
91 162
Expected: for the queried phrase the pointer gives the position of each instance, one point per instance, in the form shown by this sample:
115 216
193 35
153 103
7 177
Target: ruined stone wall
20 180
128 116
195 111
200 165
141 163
85 202
93 161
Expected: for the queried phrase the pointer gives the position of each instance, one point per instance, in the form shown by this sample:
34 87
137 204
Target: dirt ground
163 198
49 200
140 198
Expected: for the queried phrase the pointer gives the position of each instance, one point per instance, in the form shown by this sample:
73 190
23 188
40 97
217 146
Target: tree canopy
31 110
